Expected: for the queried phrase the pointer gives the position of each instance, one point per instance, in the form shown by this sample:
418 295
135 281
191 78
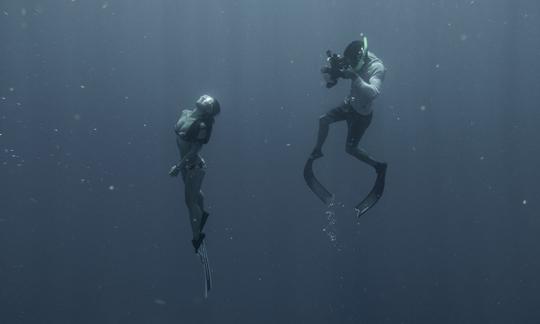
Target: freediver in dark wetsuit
366 73
193 130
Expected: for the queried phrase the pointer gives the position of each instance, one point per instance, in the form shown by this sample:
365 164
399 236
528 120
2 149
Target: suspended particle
38 9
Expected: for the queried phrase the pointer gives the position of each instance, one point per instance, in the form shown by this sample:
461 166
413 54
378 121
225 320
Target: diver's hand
349 74
175 170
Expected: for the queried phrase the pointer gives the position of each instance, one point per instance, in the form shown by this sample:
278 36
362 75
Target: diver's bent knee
324 120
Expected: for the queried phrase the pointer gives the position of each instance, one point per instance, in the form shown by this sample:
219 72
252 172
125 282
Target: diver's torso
184 129
358 100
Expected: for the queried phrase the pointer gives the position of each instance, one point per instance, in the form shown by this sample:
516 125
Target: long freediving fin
203 255
208 271
374 195
318 189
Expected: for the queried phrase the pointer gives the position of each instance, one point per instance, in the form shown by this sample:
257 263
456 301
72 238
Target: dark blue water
93 230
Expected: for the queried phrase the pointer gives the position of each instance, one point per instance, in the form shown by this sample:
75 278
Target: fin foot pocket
198 241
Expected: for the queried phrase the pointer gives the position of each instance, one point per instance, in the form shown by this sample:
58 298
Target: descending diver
366 73
193 130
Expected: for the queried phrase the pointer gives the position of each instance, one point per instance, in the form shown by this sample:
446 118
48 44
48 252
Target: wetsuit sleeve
372 87
192 154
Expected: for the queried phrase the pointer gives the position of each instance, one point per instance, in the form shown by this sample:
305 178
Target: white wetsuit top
368 86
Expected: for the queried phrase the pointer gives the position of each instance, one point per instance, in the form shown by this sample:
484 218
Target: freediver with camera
366 73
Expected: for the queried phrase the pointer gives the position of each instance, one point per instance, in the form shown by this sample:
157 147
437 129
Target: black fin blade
313 183
373 197
203 255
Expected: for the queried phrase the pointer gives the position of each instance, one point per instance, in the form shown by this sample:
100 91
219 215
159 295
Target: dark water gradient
97 86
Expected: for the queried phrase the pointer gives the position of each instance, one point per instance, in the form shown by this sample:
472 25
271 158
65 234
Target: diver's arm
190 155
193 152
372 88
196 144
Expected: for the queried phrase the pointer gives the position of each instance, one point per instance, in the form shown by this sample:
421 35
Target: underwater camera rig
336 65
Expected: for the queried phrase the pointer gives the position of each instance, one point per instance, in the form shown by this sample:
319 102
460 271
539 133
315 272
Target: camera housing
336 65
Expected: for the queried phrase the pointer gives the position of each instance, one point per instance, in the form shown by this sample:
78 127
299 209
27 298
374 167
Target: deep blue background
90 90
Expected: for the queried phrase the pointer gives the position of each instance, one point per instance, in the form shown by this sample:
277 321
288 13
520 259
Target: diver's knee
324 120
200 196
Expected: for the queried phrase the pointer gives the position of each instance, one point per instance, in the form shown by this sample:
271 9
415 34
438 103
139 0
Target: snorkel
363 52
365 48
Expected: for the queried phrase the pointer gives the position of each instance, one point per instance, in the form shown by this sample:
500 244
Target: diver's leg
200 200
193 181
334 115
205 214
357 125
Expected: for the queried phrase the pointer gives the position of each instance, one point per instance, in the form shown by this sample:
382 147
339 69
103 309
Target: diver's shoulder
375 60
373 57
376 65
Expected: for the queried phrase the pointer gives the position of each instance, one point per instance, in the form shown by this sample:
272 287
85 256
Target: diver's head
356 52
208 105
